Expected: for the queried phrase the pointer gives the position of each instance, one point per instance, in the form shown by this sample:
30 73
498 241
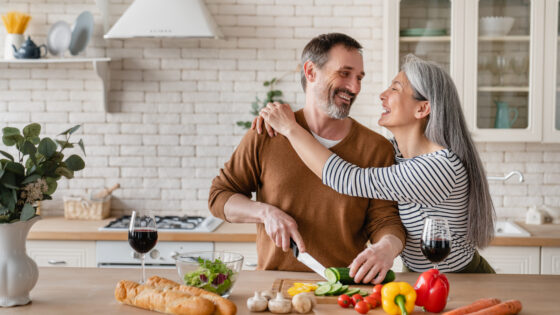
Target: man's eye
344 73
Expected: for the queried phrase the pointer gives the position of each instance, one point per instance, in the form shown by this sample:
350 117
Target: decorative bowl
213 271
496 25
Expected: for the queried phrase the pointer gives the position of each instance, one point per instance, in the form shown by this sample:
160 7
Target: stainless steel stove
120 254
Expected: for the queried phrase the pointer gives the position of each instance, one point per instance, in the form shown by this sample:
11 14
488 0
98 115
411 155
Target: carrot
510 307
473 307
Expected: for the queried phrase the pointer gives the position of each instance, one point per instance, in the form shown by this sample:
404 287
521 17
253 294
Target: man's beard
331 108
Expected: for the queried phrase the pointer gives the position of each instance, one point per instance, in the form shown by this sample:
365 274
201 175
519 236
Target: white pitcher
18 272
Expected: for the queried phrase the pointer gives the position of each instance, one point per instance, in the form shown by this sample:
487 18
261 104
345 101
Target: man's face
338 83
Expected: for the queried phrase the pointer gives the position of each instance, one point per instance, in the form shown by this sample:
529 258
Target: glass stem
143 269
435 266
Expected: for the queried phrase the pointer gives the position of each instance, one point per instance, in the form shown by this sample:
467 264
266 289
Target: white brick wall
174 102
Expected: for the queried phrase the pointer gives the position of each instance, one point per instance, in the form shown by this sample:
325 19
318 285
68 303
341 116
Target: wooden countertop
90 291
58 228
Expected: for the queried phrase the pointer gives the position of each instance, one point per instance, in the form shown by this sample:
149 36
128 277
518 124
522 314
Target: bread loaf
223 306
164 301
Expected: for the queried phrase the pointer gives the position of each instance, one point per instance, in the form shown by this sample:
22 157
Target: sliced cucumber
352 291
364 293
342 290
320 283
322 290
335 288
332 275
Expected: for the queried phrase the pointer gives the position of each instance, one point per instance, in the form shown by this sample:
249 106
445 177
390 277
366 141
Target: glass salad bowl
213 271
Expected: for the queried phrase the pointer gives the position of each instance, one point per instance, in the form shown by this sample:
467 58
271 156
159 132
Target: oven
116 254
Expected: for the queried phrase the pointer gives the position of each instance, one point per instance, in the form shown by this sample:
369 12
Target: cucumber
352 291
322 290
335 288
364 293
334 274
342 290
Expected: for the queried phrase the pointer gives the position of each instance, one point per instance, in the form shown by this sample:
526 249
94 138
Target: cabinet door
248 250
551 121
550 260
62 253
504 41
513 259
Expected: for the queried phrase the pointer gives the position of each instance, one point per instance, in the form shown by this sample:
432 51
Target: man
291 202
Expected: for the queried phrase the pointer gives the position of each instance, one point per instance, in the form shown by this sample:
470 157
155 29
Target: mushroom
257 303
267 294
279 304
303 302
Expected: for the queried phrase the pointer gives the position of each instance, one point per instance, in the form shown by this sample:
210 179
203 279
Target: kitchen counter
90 291
58 228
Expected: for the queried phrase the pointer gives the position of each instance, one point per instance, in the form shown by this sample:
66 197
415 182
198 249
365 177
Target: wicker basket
86 209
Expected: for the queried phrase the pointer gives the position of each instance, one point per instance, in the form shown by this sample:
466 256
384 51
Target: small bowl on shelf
213 271
495 25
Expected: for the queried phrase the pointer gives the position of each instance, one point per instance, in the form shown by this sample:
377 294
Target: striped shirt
429 185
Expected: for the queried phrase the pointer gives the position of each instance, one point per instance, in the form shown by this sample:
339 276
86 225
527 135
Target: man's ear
309 70
423 109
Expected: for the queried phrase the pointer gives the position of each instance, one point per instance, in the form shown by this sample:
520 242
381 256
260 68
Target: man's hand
280 227
372 264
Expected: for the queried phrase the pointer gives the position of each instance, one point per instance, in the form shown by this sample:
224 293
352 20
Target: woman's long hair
446 126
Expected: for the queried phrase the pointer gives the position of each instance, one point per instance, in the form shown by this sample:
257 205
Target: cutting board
282 285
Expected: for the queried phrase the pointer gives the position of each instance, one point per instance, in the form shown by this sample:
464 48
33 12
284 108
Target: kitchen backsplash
174 102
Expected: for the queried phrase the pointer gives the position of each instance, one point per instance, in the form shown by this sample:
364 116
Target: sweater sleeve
240 175
426 180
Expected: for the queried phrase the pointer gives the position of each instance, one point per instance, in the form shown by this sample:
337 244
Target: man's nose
354 86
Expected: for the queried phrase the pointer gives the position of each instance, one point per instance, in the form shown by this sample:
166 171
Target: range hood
165 18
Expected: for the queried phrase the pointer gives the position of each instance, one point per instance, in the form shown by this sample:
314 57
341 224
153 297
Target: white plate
58 38
83 29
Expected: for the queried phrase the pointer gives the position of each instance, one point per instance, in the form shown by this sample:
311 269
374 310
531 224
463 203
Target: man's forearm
240 209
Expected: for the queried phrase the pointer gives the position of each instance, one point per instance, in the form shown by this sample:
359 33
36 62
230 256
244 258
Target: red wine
142 240
435 250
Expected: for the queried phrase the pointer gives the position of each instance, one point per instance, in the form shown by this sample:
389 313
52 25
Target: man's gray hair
446 126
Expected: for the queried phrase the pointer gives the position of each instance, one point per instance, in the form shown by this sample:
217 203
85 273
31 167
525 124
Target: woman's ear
423 109
309 70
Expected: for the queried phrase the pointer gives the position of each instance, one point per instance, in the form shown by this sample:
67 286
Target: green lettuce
213 276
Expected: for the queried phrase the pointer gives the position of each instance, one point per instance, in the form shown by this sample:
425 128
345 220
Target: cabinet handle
56 262
249 264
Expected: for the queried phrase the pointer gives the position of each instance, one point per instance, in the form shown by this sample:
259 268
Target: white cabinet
248 250
513 259
62 253
550 260
507 81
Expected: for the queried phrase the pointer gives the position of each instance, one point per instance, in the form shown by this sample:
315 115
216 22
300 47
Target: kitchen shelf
100 66
415 39
503 89
512 38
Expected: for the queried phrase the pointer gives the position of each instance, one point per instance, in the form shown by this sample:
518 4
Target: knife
308 260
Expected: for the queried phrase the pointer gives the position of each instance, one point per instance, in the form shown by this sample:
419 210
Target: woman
438 171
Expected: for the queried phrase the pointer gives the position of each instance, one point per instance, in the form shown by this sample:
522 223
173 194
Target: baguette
169 302
223 306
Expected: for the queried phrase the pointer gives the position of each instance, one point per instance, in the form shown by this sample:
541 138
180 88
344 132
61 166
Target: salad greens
213 276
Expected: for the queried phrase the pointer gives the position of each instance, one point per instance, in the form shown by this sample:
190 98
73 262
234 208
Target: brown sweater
334 227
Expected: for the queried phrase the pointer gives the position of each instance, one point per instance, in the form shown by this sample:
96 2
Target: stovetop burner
172 223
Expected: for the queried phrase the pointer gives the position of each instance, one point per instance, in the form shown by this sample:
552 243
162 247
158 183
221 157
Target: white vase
18 272
12 39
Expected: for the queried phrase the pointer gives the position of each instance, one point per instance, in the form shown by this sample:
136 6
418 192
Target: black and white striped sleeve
427 180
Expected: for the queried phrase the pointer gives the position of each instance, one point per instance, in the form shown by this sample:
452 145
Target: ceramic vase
18 272
12 39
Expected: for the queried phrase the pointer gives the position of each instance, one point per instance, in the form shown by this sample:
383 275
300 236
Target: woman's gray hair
446 126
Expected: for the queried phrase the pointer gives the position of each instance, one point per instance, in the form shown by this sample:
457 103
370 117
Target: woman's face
400 108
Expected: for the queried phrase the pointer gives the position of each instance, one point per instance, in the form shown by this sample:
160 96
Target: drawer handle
56 262
248 264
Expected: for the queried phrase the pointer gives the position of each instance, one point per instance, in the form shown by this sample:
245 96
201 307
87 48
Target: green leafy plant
33 176
272 95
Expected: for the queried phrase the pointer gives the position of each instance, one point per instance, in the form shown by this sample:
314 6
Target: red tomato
376 294
345 301
371 301
357 298
362 307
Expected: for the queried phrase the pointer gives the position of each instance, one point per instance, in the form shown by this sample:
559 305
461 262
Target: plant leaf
11 140
9 180
32 130
35 140
30 179
10 131
15 168
70 130
8 155
75 163
28 148
27 212
47 147
64 172
52 185
81 144
64 144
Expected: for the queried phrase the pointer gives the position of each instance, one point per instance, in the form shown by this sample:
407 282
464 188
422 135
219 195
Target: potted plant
24 181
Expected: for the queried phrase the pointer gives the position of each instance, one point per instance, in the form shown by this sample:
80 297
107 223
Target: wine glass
436 240
520 66
142 236
498 66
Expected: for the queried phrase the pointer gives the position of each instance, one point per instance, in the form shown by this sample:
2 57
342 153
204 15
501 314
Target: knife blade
308 260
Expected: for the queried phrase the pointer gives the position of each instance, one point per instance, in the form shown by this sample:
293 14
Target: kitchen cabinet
62 253
503 77
550 260
248 250
513 259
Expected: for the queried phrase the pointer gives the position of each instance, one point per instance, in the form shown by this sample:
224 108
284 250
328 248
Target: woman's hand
258 124
372 264
280 117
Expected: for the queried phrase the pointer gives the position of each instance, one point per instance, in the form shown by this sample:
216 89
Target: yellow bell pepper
398 298
300 287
